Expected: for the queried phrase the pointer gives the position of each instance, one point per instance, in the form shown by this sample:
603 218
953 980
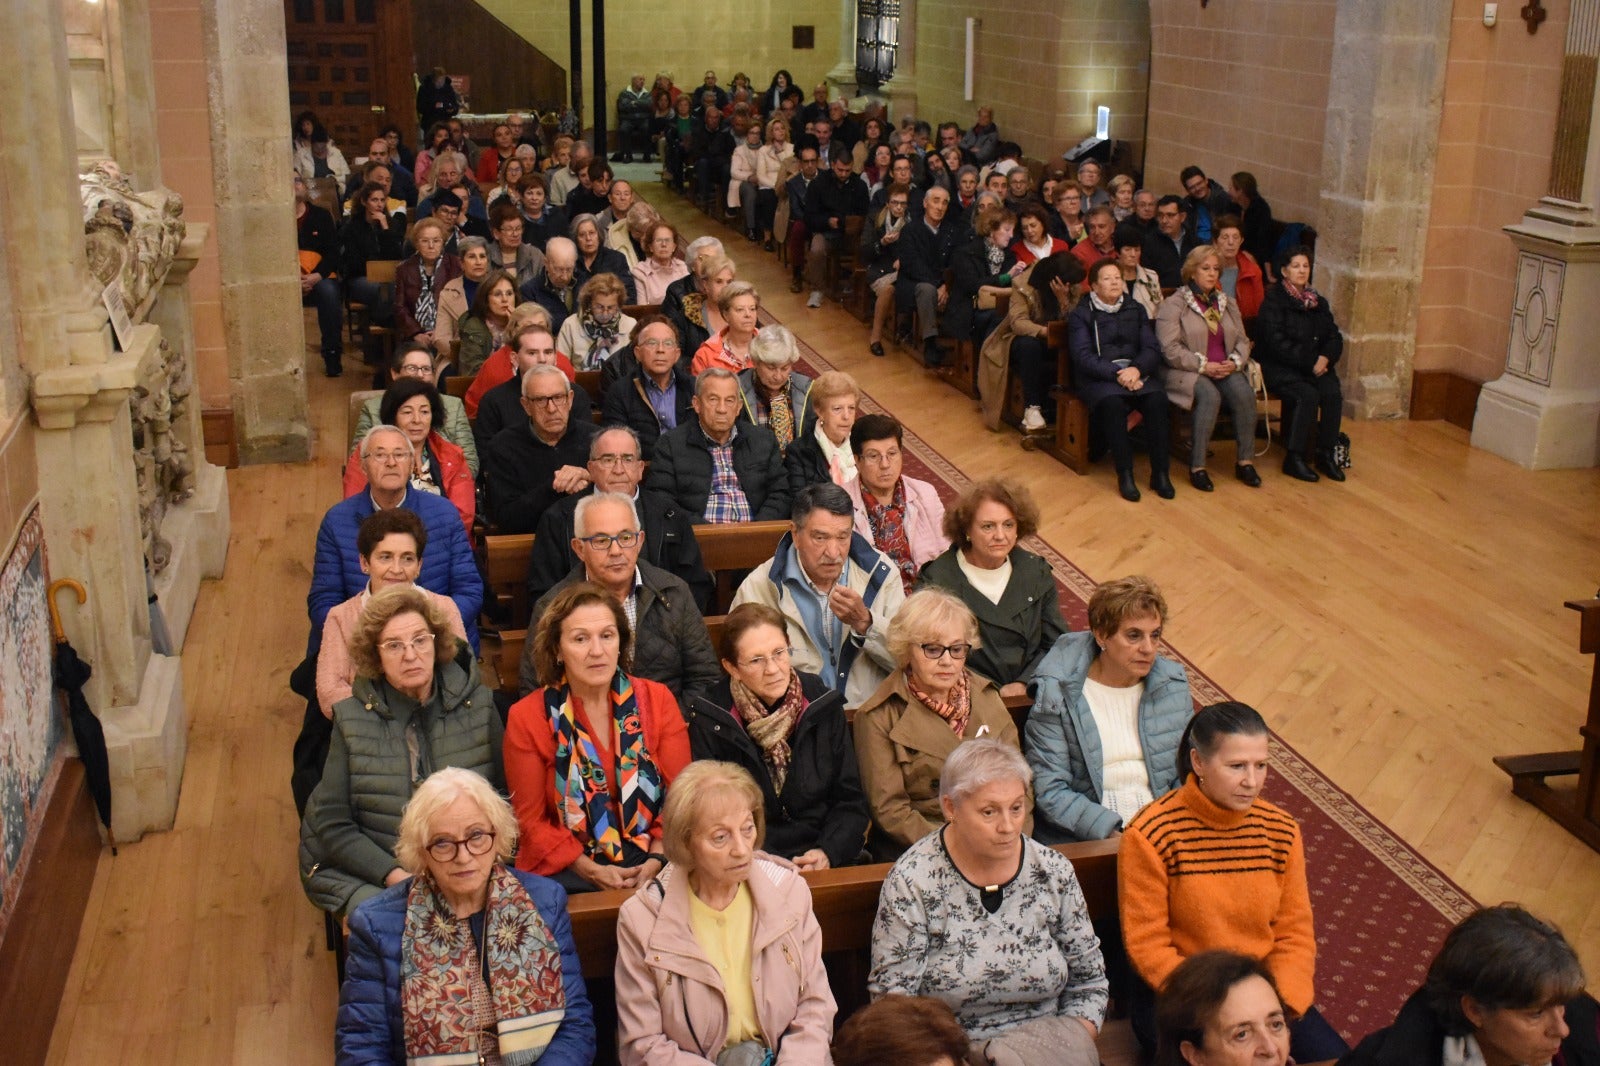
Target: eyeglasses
776 658
418 644
389 457
659 346
935 652
601 542
881 458
613 459
477 842
417 370
549 402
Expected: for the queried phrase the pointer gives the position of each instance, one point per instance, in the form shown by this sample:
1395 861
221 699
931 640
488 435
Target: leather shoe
1162 484
1126 486
1246 472
1294 464
1330 469
767 245
876 348
1201 480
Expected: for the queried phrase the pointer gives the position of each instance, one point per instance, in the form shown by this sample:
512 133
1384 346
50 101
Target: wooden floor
1399 630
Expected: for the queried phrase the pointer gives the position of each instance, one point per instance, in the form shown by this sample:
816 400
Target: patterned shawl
955 710
587 808
1307 296
771 729
888 524
1209 307
427 310
442 977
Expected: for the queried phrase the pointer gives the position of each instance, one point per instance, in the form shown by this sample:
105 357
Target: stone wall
1495 136
1043 65
1242 85
684 40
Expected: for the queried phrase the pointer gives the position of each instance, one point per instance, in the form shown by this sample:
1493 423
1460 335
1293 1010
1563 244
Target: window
877 41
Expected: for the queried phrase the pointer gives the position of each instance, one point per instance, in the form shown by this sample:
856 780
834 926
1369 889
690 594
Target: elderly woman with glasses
590 755
776 395
788 730
599 329
923 711
467 960
719 959
414 708
992 923
438 467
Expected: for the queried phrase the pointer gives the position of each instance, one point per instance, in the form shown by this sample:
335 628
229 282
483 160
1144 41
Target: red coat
547 846
453 470
1027 258
1250 289
497 370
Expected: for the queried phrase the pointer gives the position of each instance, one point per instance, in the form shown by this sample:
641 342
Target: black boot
1161 482
1126 486
1294 464
1329 467
932 354
332 364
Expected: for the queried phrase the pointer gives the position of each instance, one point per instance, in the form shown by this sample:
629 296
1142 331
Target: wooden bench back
505 568
738 545
457 385
358 400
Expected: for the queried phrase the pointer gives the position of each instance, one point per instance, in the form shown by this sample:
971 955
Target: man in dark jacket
633 121
437 100
319 285
532 345
712 148
615 466
1165 249
925 250
657 396
833 198
531 465
716 470
1207 201
670 642
798 189
553 289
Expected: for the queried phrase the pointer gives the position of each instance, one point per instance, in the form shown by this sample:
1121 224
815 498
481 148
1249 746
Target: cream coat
1181 333
670 1005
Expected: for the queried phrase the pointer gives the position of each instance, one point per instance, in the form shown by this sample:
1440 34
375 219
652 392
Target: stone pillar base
1536 427
197 530
147 743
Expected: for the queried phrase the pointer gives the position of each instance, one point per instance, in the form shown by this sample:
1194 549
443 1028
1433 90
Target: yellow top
725 937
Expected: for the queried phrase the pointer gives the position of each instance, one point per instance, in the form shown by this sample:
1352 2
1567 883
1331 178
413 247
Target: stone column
265 330
1378 153
901 90
843 75
1544 411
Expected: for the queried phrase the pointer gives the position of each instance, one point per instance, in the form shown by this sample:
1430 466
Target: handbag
1341 451
1258 383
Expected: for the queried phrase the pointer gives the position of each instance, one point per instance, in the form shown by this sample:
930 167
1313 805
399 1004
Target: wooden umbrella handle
55 615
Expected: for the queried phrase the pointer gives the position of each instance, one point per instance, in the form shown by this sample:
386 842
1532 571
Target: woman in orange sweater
1212 865
589 760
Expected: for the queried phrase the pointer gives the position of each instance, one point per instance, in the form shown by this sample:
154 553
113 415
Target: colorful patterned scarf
587 808
955 710
888 522
442 976
693 308
780 417
1209 307
1307 296
771 729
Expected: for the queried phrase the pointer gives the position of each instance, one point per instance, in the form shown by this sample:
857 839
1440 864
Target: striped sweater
1193 876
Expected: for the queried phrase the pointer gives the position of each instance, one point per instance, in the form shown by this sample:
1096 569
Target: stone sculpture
151 229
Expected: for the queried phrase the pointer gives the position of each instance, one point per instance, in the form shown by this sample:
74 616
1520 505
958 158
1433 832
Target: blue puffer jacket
447 564
371 1028
1063 744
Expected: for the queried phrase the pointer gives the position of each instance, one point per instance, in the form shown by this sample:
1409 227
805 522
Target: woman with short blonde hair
825 454
738 305
775 394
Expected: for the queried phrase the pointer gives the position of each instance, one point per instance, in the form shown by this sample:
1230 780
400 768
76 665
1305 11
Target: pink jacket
670 1008
335 671
924 519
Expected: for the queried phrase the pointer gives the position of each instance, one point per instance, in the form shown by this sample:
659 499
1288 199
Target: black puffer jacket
1289 337
821 805
682 469
627 403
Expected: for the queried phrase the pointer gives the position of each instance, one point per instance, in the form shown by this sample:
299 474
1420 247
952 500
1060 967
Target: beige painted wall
1043 65
1495 139
1242 85
684 40
183 125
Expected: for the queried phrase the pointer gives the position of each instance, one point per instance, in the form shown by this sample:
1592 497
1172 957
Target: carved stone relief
1535 311
161 457
151 229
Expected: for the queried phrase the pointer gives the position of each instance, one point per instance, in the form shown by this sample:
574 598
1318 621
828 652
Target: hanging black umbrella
71 673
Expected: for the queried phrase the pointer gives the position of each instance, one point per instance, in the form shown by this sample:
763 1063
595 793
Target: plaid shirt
727 502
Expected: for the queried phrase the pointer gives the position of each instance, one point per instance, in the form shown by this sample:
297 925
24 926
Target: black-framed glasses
934 652
602 541
549 402
477 842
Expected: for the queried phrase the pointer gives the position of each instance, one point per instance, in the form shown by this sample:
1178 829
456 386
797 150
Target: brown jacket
901 746
1024 318
1181 332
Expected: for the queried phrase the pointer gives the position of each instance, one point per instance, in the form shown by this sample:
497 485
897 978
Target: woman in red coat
413 406
589 759
1241 274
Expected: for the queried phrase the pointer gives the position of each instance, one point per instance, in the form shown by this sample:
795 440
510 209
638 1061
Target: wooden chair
845 257
1071 444
508 661
590 380
731 549
379 272
505 570
457 385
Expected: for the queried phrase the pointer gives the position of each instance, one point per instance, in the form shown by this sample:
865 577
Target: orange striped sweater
1192 876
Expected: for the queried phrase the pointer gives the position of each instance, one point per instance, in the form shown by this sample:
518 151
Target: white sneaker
1032 420
816 298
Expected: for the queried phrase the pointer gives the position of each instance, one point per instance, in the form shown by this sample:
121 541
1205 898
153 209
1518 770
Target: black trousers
1308 402
1035 366
1110 417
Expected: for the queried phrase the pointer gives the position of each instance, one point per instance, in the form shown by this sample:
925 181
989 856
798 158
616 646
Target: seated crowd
894 683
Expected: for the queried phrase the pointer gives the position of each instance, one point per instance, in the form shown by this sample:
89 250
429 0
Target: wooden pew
1071 444
729 549
505 568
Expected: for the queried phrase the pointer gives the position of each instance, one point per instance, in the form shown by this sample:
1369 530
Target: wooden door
349 61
